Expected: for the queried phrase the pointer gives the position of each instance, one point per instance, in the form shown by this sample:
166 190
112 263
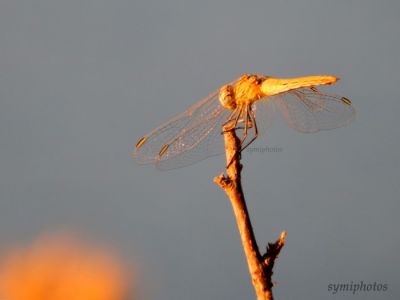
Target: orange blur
61 269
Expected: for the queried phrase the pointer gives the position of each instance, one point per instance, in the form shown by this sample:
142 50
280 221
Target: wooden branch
260 266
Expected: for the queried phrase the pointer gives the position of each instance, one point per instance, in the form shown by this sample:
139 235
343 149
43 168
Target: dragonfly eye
226 97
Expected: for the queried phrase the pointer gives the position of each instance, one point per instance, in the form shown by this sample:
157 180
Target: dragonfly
249 105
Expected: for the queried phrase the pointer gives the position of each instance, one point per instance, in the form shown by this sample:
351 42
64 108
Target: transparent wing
183 133
310 110
264 110
197 142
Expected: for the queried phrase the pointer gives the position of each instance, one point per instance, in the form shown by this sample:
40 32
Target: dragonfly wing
197 142
264 110
178 131
310 110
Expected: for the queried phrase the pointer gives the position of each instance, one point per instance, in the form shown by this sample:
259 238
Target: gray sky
80 81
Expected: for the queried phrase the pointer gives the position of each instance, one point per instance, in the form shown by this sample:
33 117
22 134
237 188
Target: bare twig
260 266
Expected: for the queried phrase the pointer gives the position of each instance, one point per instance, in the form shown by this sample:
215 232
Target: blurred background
81 81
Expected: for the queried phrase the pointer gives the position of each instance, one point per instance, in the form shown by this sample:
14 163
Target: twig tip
283 236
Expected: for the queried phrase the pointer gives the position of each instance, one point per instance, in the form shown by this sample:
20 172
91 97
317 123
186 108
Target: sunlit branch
260 266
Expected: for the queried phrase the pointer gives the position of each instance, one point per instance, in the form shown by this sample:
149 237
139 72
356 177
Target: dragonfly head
226 97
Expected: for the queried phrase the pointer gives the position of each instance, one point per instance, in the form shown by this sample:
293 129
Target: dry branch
260 266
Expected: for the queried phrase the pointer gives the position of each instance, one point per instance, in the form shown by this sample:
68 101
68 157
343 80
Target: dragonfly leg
230 117
252 118
246 125
233 118
243 111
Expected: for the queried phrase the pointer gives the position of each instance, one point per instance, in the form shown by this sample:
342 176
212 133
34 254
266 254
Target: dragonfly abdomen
273 86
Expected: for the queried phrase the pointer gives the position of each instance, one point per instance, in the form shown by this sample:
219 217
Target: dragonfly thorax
243 92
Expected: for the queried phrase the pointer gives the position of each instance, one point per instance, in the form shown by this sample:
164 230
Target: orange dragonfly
249 104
